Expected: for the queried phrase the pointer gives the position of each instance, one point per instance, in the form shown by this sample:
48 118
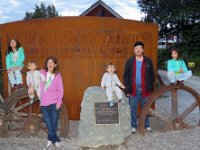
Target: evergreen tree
42 12
175 17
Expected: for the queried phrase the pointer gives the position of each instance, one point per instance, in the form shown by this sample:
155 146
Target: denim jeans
50 115
133 102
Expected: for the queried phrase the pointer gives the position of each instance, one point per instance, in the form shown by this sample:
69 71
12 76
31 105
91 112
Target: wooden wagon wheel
22 118
175 119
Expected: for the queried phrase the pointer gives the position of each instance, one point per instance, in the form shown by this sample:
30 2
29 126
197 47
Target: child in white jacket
33 79
111 83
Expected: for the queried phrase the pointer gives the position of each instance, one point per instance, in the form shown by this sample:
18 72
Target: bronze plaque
104 114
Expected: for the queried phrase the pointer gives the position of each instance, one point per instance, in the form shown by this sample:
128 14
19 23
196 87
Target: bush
163 56
196 69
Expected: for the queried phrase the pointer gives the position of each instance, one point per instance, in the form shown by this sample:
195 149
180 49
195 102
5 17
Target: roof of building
96 4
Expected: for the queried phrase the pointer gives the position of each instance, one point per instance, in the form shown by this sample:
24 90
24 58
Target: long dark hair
9 49
177 50
56 69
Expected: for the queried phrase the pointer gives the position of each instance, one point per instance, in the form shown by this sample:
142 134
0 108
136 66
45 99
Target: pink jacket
54 93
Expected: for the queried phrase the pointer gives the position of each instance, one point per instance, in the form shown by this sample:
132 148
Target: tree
172 16
176 17
42 12
51 11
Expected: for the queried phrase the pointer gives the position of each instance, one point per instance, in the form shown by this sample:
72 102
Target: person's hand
58 106
31 90
181 70
123 87
128 95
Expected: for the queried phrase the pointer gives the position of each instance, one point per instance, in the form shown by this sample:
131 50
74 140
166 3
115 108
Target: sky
14 10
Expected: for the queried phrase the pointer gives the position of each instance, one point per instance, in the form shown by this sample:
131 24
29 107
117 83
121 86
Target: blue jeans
133 102
50 115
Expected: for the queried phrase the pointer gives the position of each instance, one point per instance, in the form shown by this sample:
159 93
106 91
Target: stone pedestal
92 135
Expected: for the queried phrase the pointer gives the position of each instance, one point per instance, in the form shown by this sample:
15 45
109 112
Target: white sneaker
133 130
57 144
111 104
148 129
49 144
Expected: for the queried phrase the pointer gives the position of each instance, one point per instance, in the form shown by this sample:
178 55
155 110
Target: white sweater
110 80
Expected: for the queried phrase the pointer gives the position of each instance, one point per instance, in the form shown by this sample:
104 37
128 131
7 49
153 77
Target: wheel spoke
16 114
22 114
37 112
13 106
1 99
23 108
159 116
174 102
20 133
17 120
16 129
189 110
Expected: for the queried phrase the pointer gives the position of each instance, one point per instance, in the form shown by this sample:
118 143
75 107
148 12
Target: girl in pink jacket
51 99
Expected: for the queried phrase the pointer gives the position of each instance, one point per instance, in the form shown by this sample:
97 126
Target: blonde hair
111 64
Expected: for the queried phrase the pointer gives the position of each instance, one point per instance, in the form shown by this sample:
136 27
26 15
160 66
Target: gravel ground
157 140
173 140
